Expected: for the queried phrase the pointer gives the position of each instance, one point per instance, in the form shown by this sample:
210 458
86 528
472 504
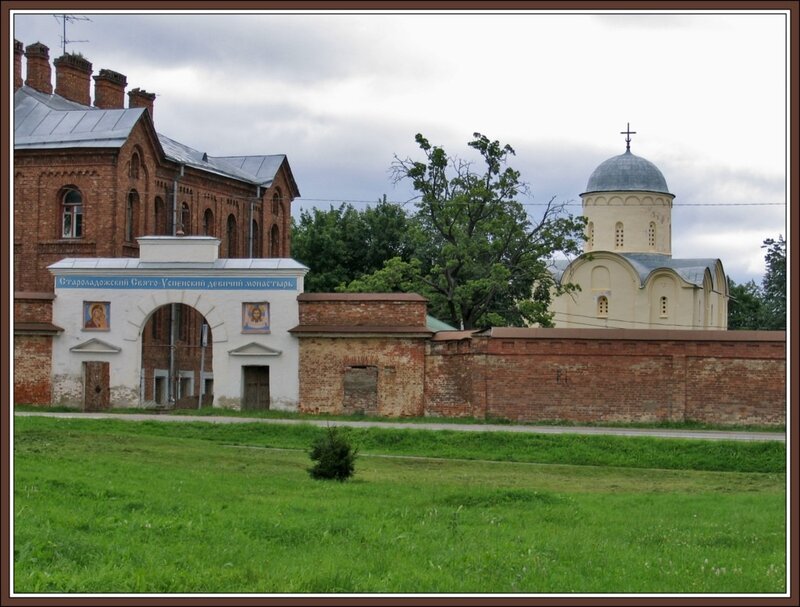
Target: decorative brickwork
73 78
109 90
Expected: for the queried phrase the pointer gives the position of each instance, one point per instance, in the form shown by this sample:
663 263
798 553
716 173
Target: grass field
114 506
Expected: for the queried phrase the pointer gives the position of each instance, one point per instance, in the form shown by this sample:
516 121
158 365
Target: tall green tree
773 285
479 257
762 307
342 244
745 306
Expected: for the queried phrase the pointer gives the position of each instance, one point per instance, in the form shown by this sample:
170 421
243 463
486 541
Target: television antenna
64 19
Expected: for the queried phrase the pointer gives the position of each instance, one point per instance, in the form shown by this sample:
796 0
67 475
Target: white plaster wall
635 210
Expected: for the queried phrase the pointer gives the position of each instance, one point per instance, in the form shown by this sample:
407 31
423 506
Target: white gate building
249 305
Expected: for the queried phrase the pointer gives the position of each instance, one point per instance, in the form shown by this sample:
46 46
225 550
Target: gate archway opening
177 359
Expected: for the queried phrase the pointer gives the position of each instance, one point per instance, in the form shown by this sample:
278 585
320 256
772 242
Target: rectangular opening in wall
96 394
360 390
160 393
208 391
255 387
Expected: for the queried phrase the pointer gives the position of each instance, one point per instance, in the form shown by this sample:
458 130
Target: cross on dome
628 134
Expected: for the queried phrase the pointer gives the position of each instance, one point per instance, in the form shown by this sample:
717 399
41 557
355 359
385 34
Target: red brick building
91 176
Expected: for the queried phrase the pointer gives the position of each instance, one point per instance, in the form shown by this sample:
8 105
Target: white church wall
636 212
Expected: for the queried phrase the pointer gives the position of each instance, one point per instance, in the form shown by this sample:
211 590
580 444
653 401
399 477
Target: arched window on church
71 213
619 235
231 236
277 199
132 216
602 306
651 235
663 307
590 234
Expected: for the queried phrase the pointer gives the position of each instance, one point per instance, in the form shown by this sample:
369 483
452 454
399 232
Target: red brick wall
33 307
400 364
727 378
32 363
453 380
748 391
361 309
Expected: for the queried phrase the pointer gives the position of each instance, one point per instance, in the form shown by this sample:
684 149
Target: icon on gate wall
96 315
255 317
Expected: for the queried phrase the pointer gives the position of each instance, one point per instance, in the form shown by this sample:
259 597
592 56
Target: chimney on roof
109 90
18 53
140 98
39 74
73 78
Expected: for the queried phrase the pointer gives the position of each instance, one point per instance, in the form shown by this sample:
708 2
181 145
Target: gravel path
658 432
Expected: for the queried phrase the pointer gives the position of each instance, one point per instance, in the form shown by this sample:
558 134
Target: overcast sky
342 94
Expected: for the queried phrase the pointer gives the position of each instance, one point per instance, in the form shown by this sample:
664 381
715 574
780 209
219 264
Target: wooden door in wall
256 388
96 392
361 390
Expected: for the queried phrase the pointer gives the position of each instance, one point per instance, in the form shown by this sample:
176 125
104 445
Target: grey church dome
627 172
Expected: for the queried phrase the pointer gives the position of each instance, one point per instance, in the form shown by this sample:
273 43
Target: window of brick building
651 235
619 235
161 222
208 223
277 199
72 214
664 307
231 236
275 242
132 216
590 234
133 173
186 219
256 236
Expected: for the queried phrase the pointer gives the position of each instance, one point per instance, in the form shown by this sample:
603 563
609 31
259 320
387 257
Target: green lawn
151 507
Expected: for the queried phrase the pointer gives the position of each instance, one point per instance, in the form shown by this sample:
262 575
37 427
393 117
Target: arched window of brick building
619 235
231 236
186 219
590 234
208 223
275 242
256 236
602 306
132 216
133 173
651 235
71 213
161 227
664 307
277 199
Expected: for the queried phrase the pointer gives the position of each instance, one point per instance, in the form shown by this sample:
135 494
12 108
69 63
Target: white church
628 278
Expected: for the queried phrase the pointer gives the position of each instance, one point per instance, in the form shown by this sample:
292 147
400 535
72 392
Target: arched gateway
105 304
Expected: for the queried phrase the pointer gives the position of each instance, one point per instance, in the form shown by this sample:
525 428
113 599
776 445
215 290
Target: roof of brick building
43 122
